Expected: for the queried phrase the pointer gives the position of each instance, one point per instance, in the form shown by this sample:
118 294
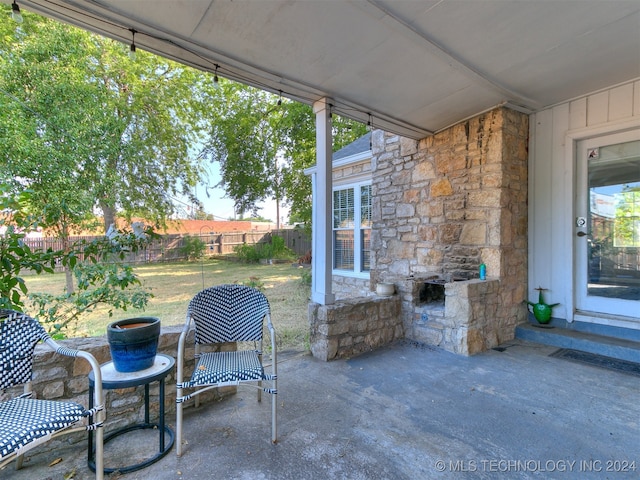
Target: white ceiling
412 67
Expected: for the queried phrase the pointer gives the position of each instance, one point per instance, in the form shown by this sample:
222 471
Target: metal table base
112 379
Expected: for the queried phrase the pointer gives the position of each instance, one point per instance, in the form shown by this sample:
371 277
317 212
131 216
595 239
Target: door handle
582 234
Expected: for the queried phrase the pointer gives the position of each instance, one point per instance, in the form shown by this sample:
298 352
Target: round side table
112 379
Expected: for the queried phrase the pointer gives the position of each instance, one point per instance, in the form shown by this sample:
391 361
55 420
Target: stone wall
350 287
354 326
57 377
466 322
449 202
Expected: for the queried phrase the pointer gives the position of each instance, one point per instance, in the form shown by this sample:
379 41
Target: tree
298 143
15 255
243 141
101 280
264 143
37 152
85 127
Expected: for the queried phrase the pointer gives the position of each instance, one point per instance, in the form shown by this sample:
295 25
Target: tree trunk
68 274
109 215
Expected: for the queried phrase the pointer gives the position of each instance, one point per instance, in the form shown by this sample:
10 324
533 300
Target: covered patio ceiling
413 67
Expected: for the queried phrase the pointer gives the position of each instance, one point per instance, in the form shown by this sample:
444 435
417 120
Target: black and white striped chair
226 313
27 422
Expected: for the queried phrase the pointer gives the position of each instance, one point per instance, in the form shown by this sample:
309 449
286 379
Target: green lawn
174 284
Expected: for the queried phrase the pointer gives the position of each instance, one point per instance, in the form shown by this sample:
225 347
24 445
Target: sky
222 208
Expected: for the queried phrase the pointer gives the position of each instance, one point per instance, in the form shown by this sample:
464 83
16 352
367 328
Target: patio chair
226 313
27 422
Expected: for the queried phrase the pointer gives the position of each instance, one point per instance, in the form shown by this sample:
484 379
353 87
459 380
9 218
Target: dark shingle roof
363 144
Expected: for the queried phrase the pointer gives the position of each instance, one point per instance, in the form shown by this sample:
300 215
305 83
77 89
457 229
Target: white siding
552 179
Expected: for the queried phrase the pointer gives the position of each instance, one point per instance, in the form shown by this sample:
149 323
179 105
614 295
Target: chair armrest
98 399
274 349
180 360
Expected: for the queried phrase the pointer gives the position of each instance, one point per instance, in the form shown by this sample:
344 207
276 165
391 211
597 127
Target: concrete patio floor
404 412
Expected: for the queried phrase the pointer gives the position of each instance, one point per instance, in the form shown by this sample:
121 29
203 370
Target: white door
607 229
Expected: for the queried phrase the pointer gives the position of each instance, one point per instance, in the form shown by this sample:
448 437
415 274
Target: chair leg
19 460
274 413
179 429
260 391
99 453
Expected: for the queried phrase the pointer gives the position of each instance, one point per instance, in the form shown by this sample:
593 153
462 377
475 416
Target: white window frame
357 228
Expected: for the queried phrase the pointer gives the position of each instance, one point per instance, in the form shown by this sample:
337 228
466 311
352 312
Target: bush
277 249
247 253
274 249
193 248
112 284
305 276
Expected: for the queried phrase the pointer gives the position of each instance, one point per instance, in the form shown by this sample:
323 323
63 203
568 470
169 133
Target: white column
322 254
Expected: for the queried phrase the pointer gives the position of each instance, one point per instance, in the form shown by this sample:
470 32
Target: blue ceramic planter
133 343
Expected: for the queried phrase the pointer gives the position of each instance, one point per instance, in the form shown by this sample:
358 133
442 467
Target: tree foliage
85 127
15 255
102 277
263 144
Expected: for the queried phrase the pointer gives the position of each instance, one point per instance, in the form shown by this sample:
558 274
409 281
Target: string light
15 13
237 76
280 99
216 82
132 49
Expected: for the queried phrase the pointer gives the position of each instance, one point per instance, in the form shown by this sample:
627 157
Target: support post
322 251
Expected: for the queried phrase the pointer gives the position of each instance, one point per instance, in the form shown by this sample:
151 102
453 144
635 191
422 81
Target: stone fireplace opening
431 292
452 311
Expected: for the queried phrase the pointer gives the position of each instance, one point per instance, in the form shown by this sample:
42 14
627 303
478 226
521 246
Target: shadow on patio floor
405 412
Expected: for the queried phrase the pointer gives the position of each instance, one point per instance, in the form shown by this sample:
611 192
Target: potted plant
133 343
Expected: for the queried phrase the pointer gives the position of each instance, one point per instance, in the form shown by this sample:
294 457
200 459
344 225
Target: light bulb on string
280 99
132 48
216 80
15 13
369 123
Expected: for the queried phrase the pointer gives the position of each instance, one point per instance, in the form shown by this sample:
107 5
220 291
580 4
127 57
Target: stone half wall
444 205
354 326
466 322
57 377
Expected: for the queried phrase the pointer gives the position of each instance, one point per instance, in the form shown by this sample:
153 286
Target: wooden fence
169 248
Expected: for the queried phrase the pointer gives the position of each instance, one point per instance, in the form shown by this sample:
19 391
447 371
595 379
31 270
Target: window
352 228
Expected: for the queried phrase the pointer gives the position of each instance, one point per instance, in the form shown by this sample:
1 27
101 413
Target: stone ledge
353 326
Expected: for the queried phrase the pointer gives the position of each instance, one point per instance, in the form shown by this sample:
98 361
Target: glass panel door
608 225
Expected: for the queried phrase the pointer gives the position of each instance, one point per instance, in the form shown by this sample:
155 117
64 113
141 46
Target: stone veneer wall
354 326
350 287
57 377
449 202
466 322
